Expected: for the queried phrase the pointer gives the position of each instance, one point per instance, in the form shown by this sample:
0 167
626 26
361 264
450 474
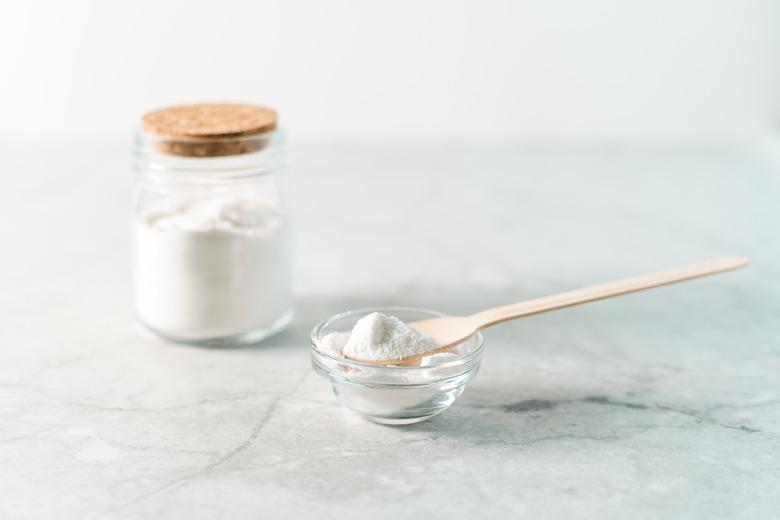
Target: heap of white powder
237 215
378 337
211 268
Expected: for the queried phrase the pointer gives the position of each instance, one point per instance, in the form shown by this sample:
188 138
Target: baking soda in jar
211 230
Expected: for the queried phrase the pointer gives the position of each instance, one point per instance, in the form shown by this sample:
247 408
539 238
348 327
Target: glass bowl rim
315 334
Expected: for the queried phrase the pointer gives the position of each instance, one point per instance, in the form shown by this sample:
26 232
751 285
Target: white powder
378 337
207 268
438 359
334 342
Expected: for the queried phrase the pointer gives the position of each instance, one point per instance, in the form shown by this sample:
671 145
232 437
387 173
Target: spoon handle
607 290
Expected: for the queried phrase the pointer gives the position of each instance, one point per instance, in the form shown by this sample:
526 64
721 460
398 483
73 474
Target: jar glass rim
261 155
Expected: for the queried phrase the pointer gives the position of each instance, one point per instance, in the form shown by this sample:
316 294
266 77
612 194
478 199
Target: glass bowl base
390 421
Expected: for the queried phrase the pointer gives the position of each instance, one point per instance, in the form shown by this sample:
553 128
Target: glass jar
211 229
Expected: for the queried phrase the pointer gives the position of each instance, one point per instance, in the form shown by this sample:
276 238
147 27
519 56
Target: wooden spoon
452 330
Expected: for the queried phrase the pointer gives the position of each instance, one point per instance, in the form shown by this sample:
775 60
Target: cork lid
205 130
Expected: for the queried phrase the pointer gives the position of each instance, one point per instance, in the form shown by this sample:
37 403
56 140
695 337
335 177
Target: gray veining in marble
659 405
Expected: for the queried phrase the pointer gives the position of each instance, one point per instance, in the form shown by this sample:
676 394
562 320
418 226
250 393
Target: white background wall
508 70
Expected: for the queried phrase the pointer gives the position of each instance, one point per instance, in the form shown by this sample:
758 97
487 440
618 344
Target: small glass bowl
393 394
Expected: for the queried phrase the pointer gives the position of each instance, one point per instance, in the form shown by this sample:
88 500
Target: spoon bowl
447 331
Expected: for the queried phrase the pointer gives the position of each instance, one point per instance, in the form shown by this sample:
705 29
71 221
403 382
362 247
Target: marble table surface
657 405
